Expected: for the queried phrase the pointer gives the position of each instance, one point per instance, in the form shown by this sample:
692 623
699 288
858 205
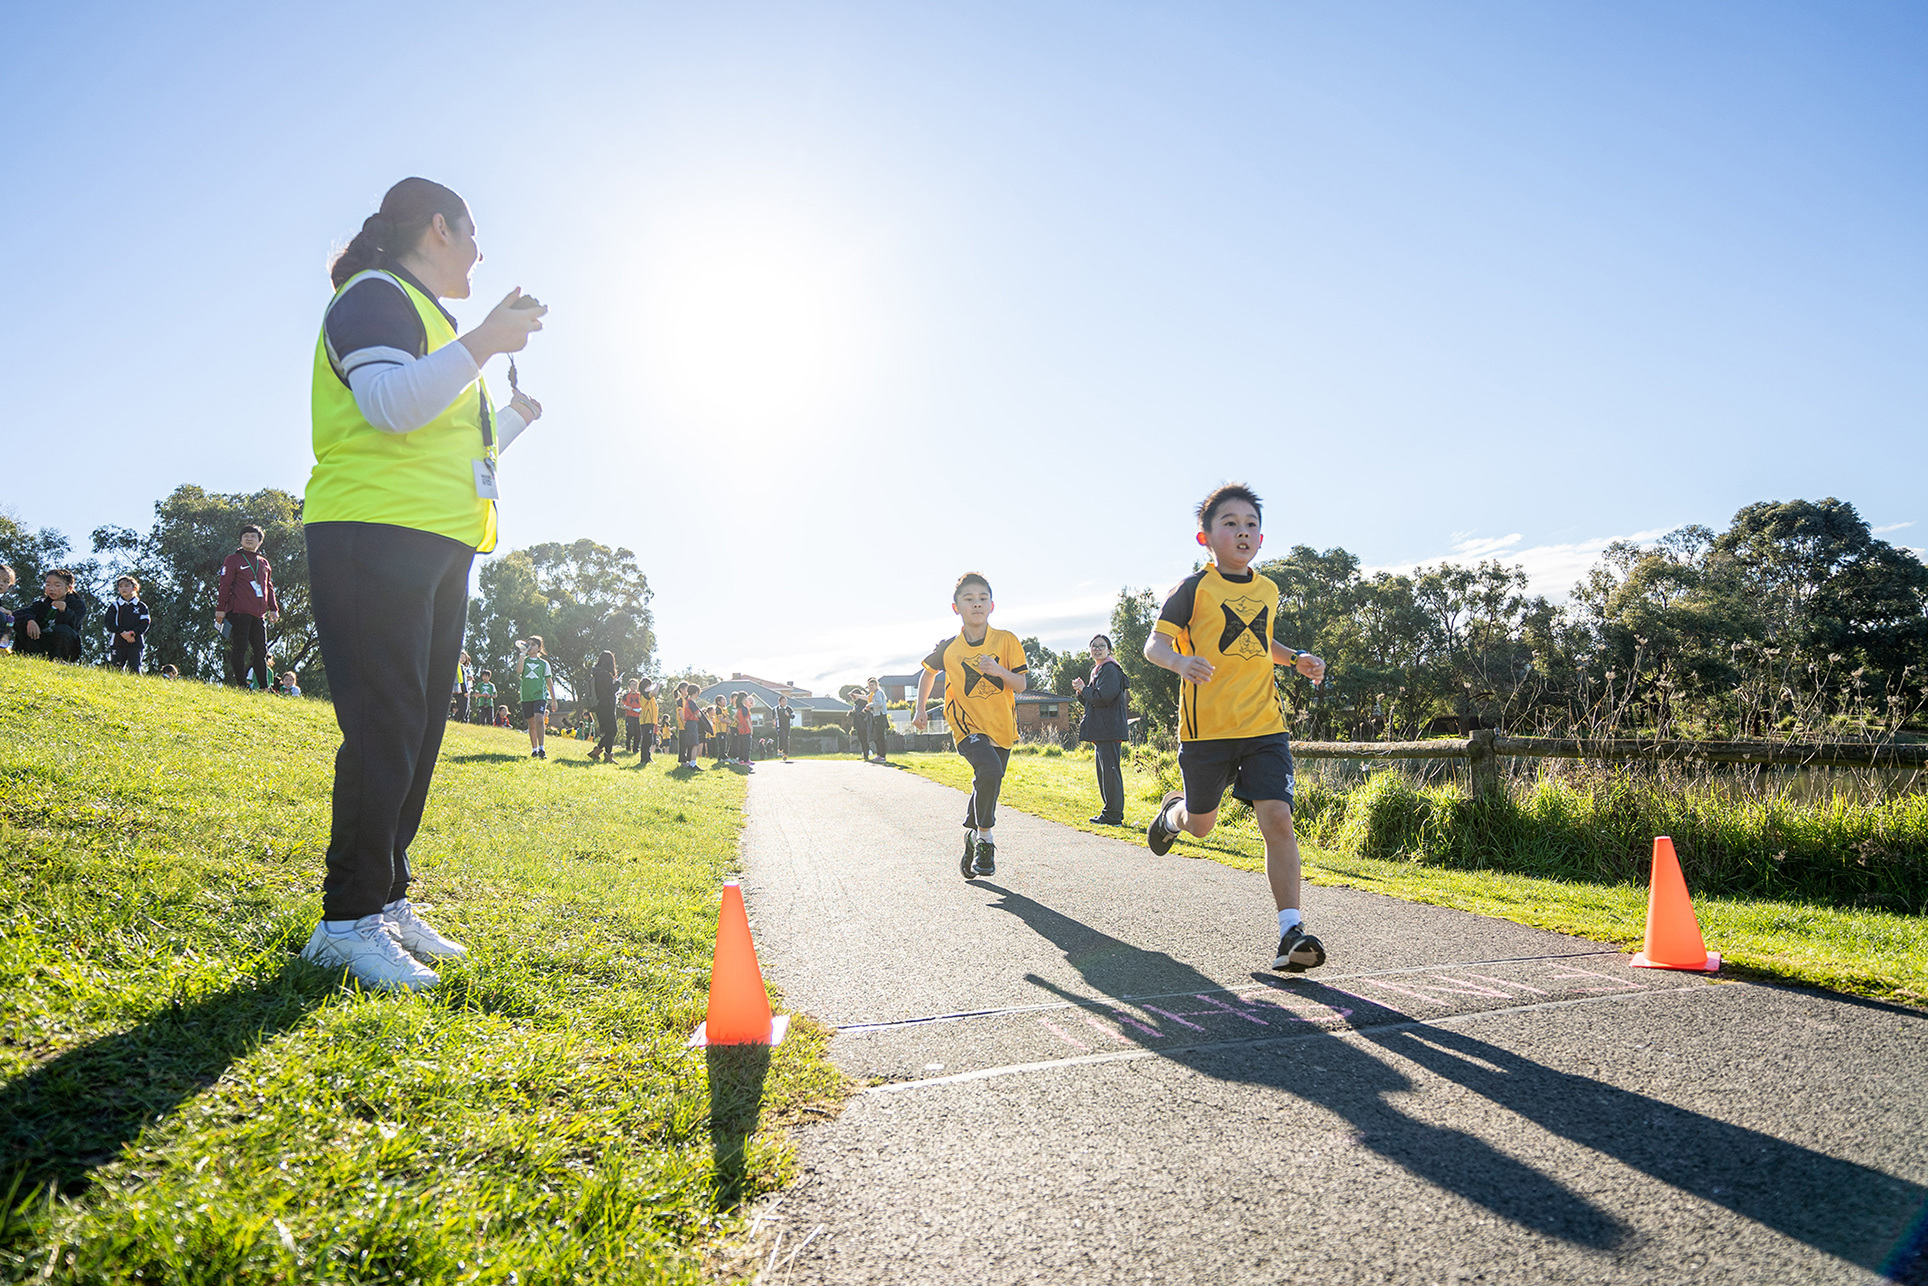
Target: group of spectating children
1215 633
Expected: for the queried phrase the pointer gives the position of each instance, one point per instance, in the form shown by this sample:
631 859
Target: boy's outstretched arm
1193 669
919 719
1305 663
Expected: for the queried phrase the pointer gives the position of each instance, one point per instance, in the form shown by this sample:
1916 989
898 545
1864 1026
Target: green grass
1866 951
182 1100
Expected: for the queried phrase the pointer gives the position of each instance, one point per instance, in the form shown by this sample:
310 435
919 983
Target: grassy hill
182 1100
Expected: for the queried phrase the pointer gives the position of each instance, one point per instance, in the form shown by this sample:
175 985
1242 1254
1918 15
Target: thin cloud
1893 526
1551 570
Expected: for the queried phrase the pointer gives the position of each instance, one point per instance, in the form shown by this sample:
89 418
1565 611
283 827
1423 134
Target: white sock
339 928
1169 818
1287 918
985 836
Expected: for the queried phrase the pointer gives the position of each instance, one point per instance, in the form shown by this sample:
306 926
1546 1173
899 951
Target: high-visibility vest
426 479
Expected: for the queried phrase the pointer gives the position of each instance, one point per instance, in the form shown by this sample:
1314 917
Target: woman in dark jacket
1103 725
604 678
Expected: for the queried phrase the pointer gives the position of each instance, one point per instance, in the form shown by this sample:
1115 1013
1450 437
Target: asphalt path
1082 1069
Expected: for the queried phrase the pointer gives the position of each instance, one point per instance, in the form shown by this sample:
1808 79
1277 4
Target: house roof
730 687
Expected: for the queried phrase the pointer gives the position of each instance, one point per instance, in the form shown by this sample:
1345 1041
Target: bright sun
752 325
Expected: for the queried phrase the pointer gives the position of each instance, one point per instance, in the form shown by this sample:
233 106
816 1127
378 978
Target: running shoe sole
1299 951
1158 839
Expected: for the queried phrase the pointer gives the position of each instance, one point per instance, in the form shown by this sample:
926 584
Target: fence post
1482 765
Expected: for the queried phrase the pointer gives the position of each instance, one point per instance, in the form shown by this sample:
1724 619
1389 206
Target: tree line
1795 619
582 598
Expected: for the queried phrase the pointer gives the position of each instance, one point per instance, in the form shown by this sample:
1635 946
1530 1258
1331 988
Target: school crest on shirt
973 677
1247 633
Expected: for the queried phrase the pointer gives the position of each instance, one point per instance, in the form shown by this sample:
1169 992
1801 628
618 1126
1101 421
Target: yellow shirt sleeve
1168 629
1013 658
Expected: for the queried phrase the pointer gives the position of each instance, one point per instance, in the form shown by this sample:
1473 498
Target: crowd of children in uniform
245 604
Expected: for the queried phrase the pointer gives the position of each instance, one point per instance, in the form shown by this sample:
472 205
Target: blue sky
848 298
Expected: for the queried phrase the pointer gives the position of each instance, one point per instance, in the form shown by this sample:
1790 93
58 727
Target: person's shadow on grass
1851 1211
74 1113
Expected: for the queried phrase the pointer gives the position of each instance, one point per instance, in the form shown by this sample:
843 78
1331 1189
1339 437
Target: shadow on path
1851 1211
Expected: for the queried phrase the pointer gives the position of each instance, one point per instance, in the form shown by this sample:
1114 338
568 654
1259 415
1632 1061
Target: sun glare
753 328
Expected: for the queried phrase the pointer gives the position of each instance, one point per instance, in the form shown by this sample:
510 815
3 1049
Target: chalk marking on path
1133 1055
860 1029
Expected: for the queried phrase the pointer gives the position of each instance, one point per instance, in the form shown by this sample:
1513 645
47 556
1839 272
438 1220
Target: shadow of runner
736 1074
1851 1211
69 1116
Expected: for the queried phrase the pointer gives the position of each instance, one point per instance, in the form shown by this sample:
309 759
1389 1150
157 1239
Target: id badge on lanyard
485 481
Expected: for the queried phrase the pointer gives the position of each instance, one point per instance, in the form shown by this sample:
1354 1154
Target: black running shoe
1159 837
986 857
1299 951
969 863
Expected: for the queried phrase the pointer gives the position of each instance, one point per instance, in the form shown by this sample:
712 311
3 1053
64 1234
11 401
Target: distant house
788 688
1042 714
763 699
903 687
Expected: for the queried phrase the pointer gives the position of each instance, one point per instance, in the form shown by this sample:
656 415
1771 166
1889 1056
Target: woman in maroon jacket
246 601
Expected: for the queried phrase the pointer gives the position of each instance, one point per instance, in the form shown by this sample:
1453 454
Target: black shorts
1256 768
530 709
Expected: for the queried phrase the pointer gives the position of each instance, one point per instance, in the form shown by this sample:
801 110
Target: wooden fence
1484 749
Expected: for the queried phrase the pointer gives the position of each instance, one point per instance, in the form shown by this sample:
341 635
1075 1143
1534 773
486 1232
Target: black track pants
390 604
1111 781
249 632
988 761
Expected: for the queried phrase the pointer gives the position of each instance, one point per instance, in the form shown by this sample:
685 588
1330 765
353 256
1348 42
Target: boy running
1215 634
983 671
538 693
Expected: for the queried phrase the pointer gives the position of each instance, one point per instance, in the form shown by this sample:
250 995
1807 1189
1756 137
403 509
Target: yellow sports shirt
1228 622
976 702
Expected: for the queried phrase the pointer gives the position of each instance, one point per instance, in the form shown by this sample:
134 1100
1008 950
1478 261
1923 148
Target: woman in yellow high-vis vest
401 499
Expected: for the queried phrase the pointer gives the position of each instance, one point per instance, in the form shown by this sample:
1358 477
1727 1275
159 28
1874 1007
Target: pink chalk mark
1393 986
1177 1018
1143 1027
1442 982
1508 982
1570 971
1109 1034
1064 1035
1328 1011
1250 1018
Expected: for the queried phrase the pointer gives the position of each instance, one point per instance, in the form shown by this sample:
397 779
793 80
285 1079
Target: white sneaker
371 953
416 937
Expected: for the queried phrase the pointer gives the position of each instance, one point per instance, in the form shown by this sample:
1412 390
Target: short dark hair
970 578
1106 639
128 580
1208 507
64 574
490 673
256 530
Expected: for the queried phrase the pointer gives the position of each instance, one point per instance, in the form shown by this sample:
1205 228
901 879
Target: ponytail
391 232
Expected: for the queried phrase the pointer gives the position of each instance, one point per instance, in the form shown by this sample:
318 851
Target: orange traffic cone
739 1007
1673 934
